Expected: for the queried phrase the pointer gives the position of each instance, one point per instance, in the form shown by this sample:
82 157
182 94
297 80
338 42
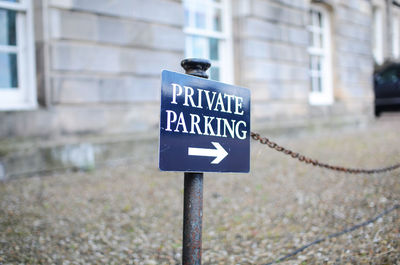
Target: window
208 35
320 57
17 78
377 38
396 37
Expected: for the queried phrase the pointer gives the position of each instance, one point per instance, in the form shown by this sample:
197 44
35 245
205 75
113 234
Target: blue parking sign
204 125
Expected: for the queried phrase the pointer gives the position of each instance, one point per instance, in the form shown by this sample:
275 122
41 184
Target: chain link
314 162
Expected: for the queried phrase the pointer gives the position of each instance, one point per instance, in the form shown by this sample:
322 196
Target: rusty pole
193 189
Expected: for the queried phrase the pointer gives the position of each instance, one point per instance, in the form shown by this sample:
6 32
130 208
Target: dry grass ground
133 214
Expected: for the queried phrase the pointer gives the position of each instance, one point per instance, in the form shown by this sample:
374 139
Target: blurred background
80 85
80 79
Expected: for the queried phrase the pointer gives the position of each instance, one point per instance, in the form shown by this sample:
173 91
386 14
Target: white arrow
219 153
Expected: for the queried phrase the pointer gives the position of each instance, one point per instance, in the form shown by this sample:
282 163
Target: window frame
24 96
377 41
225 49
325 96
396 37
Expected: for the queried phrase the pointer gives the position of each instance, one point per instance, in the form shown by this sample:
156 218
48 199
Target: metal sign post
193 190
192 218
204 127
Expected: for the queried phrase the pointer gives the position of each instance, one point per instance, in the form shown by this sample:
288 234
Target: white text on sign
206 125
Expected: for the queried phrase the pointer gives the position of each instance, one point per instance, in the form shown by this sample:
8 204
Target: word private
203 125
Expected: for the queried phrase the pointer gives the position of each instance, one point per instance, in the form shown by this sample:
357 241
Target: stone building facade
93 67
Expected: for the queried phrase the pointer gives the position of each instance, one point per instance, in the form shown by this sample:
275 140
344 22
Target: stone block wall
353 61
272 59
99 63
99 66
112 52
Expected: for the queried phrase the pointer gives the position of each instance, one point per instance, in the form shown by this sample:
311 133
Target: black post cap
196 67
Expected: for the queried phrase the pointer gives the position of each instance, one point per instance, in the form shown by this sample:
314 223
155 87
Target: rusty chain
314 162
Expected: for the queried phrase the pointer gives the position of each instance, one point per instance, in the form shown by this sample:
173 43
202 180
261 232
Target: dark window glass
200 19
187 18
8 73
214 53
217 17
214 73
8 33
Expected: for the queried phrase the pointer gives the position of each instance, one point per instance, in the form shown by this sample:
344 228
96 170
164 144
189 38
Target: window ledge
18 107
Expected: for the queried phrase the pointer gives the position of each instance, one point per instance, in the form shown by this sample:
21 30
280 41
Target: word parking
203 125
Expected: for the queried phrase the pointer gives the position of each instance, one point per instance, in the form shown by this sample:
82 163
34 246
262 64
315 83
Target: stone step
26 159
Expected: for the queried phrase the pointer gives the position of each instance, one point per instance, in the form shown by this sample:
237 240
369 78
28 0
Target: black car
387 88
